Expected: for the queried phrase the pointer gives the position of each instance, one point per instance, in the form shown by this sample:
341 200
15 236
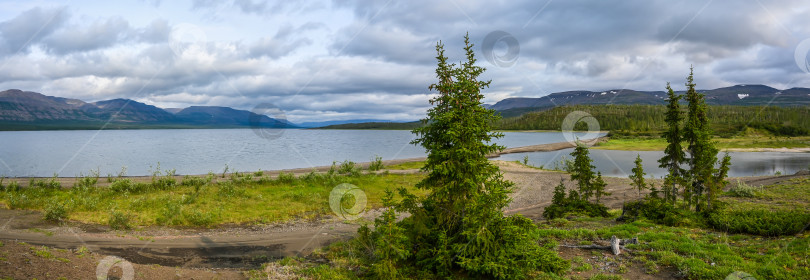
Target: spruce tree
719 180
559 194
582 171
674 155
637 176
702 153
598 186
460 222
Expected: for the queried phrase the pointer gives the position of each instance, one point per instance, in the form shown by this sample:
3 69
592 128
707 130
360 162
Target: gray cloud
156 32
17 35
286 40
249 7
100 34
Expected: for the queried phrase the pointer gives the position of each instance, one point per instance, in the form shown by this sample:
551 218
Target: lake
620 163
198 151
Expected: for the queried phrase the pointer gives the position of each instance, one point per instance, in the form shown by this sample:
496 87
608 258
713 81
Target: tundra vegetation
692 227
197 201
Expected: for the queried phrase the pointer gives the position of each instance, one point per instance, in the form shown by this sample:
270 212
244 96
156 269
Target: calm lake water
198 151
620 163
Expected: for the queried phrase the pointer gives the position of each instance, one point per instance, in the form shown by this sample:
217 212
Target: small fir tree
582 171
599 187
637 176
674 155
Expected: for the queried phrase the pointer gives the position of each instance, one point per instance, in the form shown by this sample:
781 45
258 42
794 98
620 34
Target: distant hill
376 125
739 95
734 95
25 110
328 123
226 116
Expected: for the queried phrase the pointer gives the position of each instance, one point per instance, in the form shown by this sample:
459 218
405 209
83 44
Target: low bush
241 178
284 177
199 218
575 208
743 190
119 220
56 212
13 186
129 186
658 211
18 201
87 181
194 181
229 189
760 221
163 183
170 214
348 168
51 184
376 164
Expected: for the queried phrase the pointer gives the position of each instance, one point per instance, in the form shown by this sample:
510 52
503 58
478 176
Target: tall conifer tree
674 155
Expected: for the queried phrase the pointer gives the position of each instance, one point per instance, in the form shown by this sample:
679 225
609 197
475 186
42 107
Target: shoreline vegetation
749 143
166 199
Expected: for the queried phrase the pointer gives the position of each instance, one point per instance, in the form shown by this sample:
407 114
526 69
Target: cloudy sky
321 60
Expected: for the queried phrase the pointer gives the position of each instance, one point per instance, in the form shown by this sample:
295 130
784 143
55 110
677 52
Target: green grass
633 144
42 252
763 142
242 199
768 211
691 251
748 142
406 165
790 195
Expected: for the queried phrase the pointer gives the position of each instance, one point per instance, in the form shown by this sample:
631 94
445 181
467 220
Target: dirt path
249 246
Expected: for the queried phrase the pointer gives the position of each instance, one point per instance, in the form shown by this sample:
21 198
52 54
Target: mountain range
25 110
734 95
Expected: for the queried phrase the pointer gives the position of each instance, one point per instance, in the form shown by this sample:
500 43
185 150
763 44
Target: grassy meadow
690 246
751 141
236 198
